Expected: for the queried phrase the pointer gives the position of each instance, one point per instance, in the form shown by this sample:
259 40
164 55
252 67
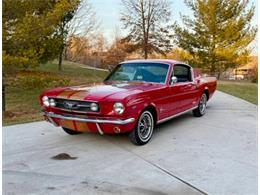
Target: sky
108 12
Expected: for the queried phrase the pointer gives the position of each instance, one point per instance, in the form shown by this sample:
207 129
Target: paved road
87 67
215 154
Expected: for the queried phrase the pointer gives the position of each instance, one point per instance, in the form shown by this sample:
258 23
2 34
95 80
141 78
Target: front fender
136 106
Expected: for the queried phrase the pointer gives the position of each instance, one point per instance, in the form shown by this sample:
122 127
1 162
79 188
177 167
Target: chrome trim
52 121
79 105
116 122
99 129
176 115
77 112
83 106
80 100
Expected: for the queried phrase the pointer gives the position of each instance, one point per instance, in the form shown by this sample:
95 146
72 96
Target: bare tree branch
147 22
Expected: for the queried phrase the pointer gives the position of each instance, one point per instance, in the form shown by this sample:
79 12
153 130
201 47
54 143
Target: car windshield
144 72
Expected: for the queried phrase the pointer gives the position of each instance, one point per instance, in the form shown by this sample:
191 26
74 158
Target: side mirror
173 80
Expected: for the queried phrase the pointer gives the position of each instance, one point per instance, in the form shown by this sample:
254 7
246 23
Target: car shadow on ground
159 130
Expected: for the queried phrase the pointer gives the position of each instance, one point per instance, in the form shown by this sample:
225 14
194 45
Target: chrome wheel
145 126
203 104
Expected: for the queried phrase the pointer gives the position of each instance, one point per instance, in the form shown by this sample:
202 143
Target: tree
116 53
28 28
179 54
218 33
84 22
79 20
78 48
147 22
71 6
33 30
28 34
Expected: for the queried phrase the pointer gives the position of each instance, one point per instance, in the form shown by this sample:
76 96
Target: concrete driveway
214 154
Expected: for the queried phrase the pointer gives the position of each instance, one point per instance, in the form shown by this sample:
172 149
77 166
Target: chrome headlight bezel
94 107
118 108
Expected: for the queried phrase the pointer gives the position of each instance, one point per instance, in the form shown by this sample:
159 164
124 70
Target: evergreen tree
218 34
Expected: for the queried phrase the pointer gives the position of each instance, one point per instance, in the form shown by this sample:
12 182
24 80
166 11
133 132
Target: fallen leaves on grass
8 114
11 114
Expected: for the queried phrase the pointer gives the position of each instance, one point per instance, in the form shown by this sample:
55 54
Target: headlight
94 107
45 101
52 102
119 108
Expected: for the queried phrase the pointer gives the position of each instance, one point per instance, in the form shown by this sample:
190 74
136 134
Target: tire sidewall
202 113
137 136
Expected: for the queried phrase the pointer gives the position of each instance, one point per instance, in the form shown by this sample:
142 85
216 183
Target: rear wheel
143 130
71 132
201 109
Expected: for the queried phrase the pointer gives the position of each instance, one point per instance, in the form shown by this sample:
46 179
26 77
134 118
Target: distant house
244 72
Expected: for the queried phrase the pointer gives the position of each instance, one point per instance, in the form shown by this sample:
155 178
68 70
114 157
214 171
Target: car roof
167 61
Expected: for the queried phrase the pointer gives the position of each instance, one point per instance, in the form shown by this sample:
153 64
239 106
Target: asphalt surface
214 154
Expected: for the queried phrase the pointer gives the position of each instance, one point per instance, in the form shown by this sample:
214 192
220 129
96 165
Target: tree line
216 37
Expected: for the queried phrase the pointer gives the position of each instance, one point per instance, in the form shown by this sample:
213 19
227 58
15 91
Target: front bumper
51 116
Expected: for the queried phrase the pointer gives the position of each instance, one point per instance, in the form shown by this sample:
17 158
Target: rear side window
182 72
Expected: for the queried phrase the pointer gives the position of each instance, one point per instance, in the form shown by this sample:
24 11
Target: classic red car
136 95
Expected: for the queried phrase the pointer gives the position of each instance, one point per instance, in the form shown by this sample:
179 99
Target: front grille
73 105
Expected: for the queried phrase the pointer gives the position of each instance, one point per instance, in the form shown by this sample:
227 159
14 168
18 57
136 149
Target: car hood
102 91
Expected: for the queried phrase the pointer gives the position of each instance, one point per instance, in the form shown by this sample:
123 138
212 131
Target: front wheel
71 132
144 129
201 109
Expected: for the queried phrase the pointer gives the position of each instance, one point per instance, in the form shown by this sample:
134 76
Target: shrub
39 80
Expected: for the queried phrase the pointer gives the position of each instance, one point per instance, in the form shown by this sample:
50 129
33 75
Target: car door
168 99
184 90
176 93
174 96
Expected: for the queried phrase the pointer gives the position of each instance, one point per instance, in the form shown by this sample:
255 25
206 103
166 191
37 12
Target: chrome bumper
51 115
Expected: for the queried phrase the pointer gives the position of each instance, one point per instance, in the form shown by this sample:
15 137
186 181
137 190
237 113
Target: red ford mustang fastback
136 96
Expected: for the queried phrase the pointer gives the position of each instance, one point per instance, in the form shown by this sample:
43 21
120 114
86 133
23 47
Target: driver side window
182 73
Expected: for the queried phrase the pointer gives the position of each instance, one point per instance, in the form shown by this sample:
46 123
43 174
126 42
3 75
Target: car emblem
70 105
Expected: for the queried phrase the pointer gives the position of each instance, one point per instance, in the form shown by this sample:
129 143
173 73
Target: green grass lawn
22 104
241 89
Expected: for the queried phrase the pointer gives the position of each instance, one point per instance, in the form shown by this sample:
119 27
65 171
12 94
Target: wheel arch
206 91
153 111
